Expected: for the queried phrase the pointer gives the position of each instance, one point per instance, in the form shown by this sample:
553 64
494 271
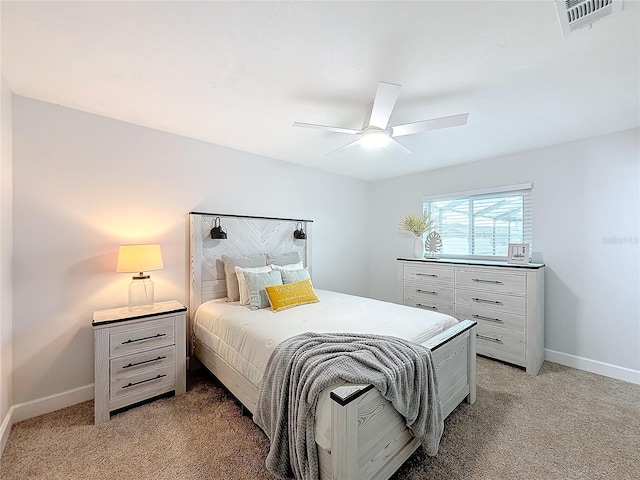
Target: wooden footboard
369 437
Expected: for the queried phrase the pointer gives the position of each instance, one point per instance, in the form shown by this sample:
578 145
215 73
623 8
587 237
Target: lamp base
141 294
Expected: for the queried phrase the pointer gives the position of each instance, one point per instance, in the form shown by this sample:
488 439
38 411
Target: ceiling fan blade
325 127
396 147
433 124
383 104
344 147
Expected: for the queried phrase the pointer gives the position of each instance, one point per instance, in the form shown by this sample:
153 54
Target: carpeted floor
560 424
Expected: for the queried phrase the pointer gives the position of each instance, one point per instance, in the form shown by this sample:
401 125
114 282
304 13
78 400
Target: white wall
584 194
5 260
85 184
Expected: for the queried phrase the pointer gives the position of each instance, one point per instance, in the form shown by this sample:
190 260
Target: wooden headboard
245 236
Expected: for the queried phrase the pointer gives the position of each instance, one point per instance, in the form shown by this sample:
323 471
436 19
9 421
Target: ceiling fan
376 131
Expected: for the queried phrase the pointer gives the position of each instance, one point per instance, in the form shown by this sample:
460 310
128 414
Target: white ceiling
239 74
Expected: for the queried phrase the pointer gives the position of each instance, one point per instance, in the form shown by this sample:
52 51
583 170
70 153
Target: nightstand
138 355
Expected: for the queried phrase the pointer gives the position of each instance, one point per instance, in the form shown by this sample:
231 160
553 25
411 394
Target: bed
358 433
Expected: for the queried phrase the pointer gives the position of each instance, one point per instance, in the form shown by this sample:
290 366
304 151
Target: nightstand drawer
428 274
491 301
491 317
140 339
139 382
430 304
140 362
492 281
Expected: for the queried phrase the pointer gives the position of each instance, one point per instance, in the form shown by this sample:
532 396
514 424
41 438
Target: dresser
506 300
138 355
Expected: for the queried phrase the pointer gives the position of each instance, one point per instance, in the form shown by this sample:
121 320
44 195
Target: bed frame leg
344 451
471 398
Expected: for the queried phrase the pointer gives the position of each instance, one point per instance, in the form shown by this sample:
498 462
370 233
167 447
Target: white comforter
245 338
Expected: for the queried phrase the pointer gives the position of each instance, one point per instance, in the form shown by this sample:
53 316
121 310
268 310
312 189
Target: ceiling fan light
374 139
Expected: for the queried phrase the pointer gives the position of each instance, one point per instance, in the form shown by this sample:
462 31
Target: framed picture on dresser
518 253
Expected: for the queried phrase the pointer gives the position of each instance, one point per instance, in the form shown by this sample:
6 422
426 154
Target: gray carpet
560 424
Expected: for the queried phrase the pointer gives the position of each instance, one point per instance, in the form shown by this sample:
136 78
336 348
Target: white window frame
527 188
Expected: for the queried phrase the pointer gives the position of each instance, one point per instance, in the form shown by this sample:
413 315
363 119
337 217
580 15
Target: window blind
482 224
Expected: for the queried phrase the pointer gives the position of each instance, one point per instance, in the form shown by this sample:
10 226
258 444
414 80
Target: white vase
418 248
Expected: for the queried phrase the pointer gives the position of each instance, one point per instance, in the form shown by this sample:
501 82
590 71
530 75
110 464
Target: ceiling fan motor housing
373 137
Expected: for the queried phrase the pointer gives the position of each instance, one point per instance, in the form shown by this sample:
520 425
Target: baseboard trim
35 408
5 429
593 366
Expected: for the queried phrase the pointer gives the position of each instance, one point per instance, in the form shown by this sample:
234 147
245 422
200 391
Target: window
482 223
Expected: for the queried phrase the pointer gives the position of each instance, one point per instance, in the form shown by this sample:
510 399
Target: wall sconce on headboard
299 233
217 232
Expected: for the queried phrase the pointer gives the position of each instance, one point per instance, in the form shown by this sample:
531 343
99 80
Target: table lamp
139 259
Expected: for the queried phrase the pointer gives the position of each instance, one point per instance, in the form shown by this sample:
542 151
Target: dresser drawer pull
145 338
142 363
491 339
426 307
426 291
489 319
144 381
426 275
494 282
482 300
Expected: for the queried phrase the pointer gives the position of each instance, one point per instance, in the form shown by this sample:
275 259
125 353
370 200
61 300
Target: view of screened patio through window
482 224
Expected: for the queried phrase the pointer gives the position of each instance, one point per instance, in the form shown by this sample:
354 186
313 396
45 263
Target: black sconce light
299 233
217 232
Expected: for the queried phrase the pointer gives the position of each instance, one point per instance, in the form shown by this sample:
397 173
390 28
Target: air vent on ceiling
576 14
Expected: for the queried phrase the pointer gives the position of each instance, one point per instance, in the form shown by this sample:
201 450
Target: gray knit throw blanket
302 366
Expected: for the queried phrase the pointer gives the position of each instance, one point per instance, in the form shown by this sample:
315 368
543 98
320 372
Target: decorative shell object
433 243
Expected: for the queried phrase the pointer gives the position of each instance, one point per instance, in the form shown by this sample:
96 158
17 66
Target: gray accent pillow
230 264
285 259
290 276
256 283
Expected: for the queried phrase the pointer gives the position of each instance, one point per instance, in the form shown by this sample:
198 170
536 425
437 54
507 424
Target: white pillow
290 276
291 266
242 282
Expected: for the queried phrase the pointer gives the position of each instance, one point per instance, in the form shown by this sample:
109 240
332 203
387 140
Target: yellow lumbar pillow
290 295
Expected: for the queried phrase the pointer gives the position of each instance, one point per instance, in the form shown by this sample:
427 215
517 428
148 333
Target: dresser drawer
491 301
496 282
496 318
428 274
140 362
425 291
140 339
502 344
142 381
429 304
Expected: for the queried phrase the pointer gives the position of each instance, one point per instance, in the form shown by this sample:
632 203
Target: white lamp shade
139 258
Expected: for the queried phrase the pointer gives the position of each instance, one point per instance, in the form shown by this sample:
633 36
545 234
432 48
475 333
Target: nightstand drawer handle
426 307
142 363
491 339
482 300
426 275
426 291
145 338
480 280
482 317
144 381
